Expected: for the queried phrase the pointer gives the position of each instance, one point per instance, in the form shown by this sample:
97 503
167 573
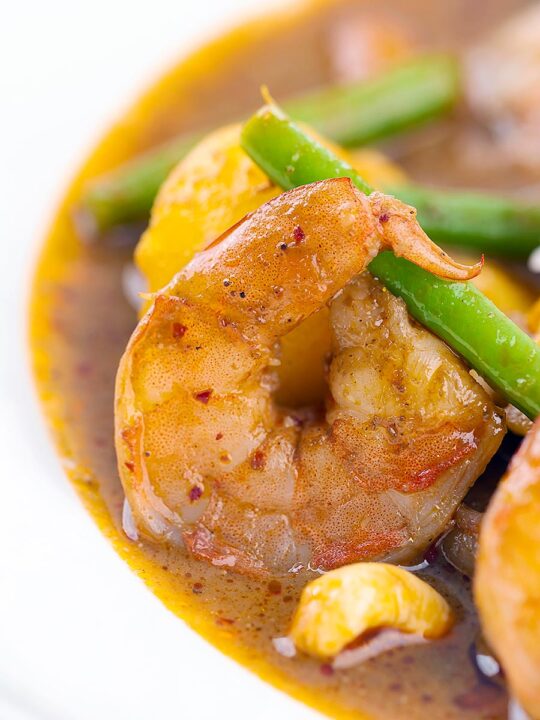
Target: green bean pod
479 221
472 325
400 98
128 193
457 312
352 114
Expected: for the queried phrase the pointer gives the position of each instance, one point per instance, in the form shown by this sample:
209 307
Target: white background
80 636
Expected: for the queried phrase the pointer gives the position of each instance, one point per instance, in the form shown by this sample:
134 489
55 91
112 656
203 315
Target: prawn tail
401 232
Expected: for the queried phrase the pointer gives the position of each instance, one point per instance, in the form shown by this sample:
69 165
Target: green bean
289 156
471 324
473 220
127 194
495 225
457 312
396 100
352 114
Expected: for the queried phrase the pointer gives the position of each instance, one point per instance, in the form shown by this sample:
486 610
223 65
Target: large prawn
507 582
208 460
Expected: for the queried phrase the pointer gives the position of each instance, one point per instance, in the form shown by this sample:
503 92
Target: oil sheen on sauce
76 352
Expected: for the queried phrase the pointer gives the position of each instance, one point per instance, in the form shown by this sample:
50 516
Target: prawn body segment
507 580
206 457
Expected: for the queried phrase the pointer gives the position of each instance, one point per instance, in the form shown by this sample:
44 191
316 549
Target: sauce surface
81 321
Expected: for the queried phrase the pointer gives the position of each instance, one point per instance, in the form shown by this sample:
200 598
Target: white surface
80 636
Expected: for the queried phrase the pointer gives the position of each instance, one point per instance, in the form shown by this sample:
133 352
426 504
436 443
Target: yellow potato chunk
208 192
376 168
341 605
301 374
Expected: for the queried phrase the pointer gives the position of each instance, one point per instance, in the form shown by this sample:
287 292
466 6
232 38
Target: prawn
507 582
210 462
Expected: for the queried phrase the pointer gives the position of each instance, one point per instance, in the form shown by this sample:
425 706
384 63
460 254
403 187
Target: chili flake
203 396
178 330
298 234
